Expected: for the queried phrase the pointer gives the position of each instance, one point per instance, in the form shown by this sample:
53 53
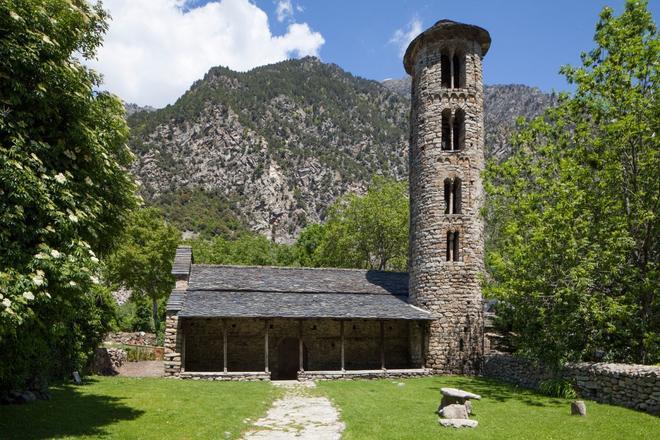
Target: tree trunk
154 308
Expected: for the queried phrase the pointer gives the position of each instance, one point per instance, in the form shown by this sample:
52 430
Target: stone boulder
459 423
454 411
578 408
452 396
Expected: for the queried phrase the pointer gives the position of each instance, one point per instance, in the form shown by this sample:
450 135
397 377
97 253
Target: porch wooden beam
266 326
341 344
224 345
300 346
382 345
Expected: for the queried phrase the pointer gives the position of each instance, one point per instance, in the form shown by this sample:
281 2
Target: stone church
238 323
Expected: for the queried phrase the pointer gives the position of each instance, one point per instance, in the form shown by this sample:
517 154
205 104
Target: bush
558 387
142 321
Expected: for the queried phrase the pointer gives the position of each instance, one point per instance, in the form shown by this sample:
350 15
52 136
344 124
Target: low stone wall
131 338
632 386
228 376
362 374
108 360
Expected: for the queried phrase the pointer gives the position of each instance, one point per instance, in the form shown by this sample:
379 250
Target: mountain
271 148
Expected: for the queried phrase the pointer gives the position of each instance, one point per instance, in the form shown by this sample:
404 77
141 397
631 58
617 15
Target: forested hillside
271 148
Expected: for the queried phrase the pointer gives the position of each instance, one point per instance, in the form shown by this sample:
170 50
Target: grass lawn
382 409
131 408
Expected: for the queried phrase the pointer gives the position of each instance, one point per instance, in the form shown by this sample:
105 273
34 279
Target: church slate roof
270 292
182 261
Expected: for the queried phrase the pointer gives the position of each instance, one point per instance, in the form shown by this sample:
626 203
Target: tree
369 231
247 249
143 260
573 252
64 188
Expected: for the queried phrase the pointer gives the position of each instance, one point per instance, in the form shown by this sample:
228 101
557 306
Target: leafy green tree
574 212
369 231
248 249
143 260
64 188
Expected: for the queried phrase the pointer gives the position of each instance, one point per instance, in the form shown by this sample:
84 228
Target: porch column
341 344
382 345
422 325
300 346
266 326
224 345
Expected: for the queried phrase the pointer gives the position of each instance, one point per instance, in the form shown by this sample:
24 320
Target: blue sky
531 38
155 49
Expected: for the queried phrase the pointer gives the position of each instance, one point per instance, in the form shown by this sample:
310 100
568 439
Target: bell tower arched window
446 129
453 196
458 129
453 246
445 71
457 71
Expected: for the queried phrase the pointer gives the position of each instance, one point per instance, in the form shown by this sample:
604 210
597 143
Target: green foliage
143 260
573 251
208 213
64 188
368 232
558 387
142 321
248 249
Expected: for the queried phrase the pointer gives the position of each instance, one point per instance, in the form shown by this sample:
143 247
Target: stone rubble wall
108 360
131 338
230 376
354 375
173 345
629 385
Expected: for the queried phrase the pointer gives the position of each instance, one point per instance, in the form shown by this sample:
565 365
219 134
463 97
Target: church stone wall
450 290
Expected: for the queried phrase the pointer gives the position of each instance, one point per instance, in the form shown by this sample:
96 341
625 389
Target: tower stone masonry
446 159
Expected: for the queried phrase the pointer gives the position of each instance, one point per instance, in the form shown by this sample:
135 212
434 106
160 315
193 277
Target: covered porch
310 348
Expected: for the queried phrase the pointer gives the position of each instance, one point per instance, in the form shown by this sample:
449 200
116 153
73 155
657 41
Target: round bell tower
446 159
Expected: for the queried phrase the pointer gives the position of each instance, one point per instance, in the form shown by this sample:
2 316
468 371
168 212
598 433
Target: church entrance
288 359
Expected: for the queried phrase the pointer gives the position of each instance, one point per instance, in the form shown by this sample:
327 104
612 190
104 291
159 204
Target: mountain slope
283 141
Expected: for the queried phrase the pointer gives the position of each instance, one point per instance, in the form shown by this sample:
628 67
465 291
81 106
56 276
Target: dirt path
299 414
142 369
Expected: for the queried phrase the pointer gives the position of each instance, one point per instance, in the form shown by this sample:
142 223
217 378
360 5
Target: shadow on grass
499 391
68 413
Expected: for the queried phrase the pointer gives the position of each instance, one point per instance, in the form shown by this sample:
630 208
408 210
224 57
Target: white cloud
403 37
155 49
284 10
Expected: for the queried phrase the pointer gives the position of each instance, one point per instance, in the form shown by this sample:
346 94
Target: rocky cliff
282 142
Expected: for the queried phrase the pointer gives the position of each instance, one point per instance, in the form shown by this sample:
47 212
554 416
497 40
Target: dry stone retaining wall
632 386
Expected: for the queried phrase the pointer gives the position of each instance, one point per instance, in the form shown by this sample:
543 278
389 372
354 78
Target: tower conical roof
446 29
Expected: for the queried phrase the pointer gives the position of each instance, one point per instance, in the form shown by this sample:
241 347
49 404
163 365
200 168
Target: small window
458 130
446 129
457 65
453 246
452 196
445 71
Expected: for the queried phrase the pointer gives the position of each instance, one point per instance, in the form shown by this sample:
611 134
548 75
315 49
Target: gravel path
298 415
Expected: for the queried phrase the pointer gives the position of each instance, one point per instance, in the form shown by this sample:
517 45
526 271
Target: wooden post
341 332
422 330
382 345
224 345
266 346
300 346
